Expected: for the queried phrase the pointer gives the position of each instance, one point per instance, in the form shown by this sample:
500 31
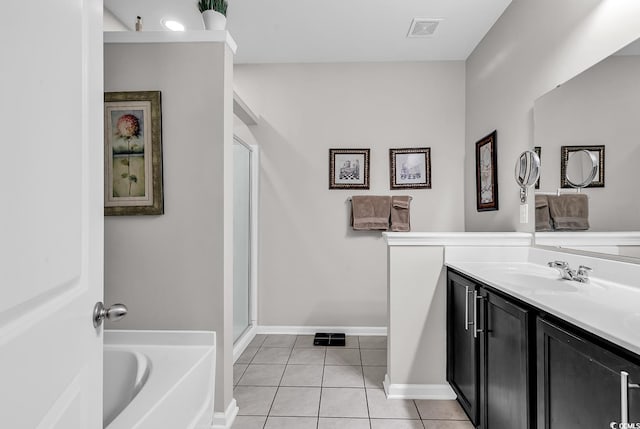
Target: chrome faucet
580 275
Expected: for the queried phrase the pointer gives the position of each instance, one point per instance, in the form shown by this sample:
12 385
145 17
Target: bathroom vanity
481 317
526 349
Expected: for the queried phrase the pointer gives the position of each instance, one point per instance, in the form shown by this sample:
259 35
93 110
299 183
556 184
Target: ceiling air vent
423 27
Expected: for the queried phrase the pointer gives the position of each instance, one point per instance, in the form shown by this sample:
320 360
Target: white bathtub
158 379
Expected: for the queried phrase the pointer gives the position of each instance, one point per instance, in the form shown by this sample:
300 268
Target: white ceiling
301 31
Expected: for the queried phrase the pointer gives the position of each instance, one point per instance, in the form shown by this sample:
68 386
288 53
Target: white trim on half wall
417 391
225 420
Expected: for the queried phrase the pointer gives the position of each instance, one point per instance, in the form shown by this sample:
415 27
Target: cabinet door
581 384
462 346
506 394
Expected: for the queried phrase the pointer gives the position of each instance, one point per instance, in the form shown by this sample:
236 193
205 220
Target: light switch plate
524 213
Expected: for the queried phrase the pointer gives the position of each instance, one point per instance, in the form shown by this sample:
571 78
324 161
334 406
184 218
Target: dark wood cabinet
582 382
489 355
513 365
507 363
462 344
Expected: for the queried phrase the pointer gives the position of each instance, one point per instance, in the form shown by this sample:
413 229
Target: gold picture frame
133 153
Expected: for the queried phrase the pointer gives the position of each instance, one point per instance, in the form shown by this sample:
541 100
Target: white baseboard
310 330
225 420
243 342
417 391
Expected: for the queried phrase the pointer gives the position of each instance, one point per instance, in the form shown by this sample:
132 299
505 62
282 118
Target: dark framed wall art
349 168
597 151
410 168
487 173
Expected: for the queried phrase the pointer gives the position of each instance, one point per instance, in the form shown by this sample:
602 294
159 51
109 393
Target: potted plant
214 14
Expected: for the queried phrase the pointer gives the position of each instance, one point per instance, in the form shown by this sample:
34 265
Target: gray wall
598 107
314 270
172 271
534 46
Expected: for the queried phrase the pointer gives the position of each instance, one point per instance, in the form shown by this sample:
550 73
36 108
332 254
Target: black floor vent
326 339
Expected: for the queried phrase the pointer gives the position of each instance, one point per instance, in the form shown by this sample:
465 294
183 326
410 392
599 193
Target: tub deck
179 389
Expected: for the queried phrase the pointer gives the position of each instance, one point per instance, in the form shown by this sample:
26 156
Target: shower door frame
254 163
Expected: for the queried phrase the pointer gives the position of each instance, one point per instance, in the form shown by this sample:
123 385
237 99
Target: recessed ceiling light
172 25
423 27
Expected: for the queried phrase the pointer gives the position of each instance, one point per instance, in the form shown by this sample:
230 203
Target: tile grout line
418 411
364 381
278 386
241 375
364 384
324 364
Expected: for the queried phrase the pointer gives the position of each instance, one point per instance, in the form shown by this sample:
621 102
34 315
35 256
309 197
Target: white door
50 213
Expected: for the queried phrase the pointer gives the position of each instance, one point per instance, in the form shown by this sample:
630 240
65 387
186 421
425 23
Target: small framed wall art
349 168
133 153
487 173
410 168
596 151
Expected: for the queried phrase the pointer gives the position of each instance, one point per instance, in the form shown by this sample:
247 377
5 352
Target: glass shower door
241 239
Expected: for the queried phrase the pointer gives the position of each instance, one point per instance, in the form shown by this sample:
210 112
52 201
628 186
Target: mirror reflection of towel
370 212
569 212
543 218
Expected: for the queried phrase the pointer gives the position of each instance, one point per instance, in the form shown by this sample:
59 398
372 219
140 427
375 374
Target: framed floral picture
487 173
349 168
133 153
410 168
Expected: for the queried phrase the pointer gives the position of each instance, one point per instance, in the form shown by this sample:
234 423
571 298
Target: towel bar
348 200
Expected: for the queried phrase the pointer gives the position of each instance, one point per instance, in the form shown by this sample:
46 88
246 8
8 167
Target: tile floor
284 381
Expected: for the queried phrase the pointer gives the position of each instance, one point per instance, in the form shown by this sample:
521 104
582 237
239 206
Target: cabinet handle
624 397
476 298
466 308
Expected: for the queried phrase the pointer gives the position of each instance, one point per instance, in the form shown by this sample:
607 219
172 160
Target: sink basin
537 284
532 279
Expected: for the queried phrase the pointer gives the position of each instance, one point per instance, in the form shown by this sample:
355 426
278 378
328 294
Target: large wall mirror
599 109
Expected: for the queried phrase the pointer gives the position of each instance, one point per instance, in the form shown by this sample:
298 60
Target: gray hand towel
400 220
543 219
569 212
370 212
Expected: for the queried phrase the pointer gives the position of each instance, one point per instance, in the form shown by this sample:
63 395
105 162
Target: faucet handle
558 264
583 270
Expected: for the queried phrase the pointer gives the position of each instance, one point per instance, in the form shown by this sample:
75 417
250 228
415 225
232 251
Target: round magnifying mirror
582 168
527 169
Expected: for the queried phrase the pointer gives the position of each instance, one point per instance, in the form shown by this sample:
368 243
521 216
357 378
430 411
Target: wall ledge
191 36
458 238
588 238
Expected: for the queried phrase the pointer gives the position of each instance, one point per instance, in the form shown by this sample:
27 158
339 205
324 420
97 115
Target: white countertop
607 309
588 238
